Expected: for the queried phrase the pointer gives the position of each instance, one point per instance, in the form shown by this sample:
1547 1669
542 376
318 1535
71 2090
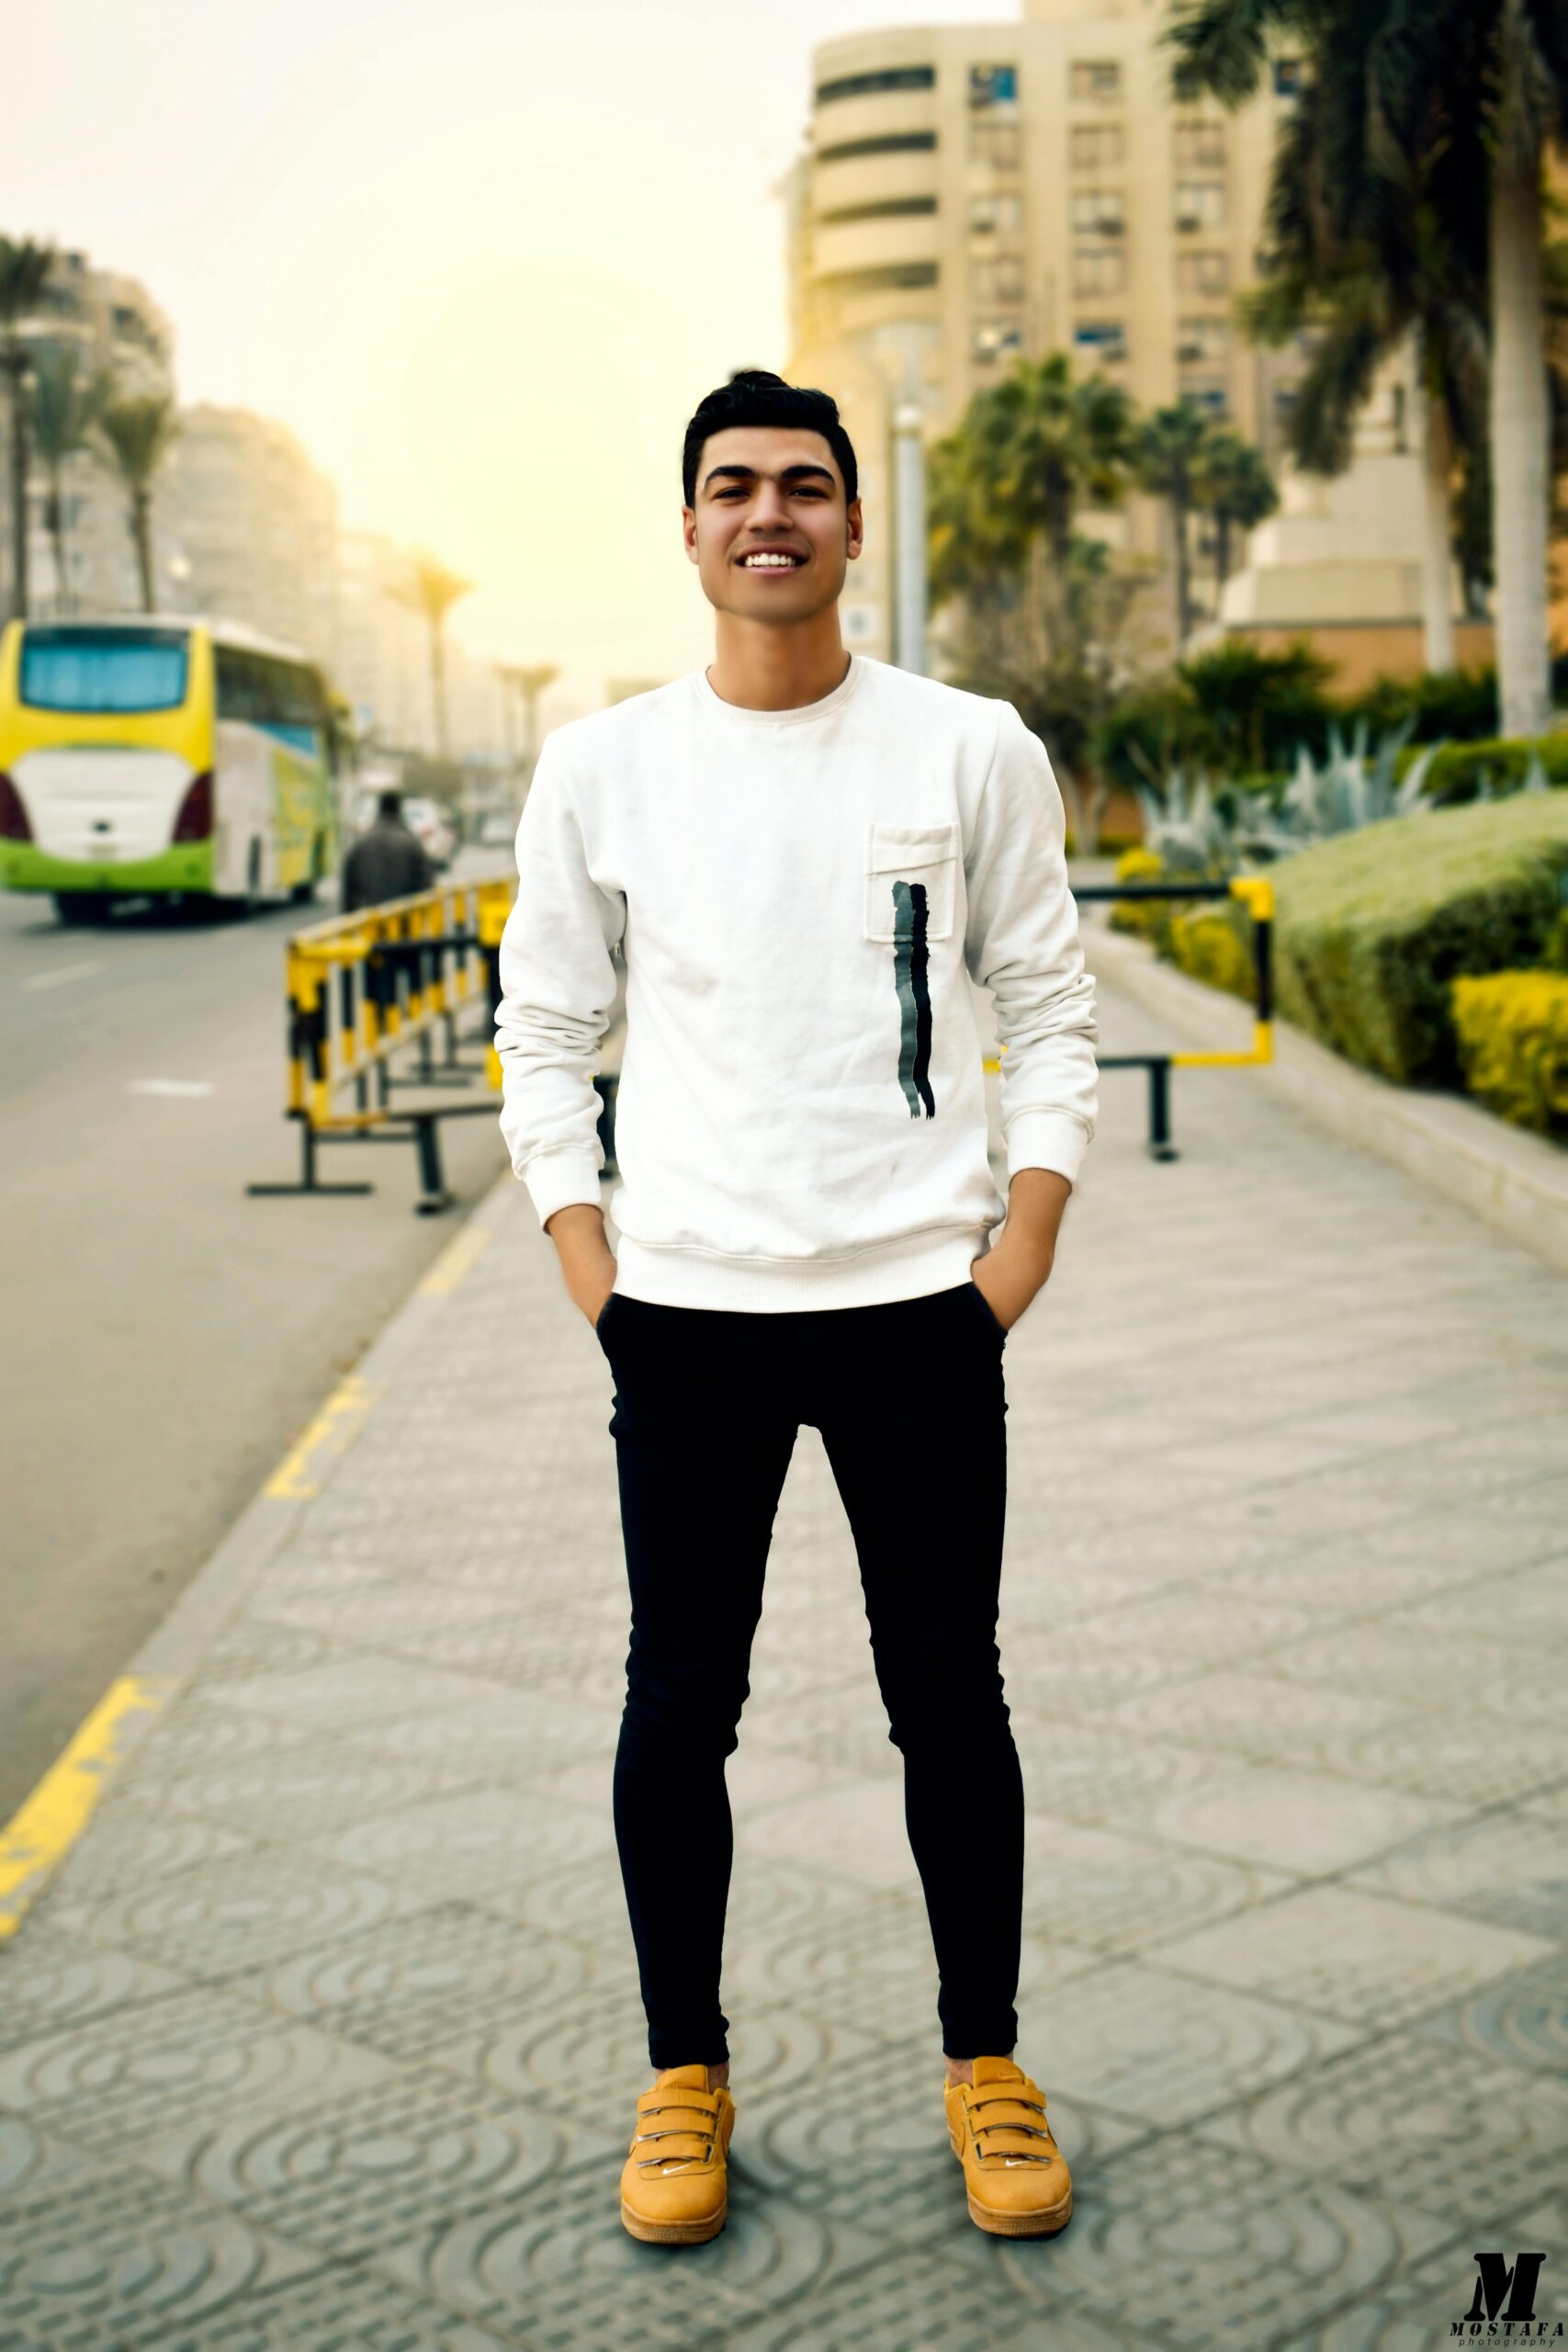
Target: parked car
498 829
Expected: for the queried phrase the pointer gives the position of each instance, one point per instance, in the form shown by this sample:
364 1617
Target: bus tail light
194 822
14 825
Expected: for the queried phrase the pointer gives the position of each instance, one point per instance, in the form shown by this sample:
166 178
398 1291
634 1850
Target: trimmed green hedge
1373 925
1503 760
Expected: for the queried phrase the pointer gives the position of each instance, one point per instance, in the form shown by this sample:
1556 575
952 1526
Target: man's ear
689 533
855 526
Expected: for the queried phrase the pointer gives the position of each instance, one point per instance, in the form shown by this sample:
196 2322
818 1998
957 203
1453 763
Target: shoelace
676 2131
1032 2131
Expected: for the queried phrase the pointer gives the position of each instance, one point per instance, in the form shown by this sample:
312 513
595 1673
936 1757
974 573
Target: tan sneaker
1017 2177
674 2183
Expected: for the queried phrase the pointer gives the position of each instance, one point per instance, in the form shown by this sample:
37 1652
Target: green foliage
1458 704
1481 771
1213 944
1512 1033
1372 927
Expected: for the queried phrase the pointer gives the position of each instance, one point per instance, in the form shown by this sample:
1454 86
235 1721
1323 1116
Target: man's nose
770 508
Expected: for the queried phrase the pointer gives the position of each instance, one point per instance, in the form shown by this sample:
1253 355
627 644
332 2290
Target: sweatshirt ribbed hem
559 1180
1046 1139
911 1267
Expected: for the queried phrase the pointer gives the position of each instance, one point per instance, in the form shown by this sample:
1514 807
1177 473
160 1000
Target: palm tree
431 591
528 681
1433 98
1169 455
24 273
137 433
1236 487
64 408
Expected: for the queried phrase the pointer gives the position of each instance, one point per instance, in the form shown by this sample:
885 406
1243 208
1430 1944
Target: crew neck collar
801 714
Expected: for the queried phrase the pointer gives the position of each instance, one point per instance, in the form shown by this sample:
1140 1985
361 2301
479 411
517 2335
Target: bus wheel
82 906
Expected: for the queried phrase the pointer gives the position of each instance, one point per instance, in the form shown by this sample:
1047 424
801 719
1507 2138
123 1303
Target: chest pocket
926 855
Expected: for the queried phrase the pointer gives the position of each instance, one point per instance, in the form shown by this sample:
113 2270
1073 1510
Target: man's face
771 534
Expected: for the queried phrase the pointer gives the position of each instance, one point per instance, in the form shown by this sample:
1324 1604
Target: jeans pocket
988 1311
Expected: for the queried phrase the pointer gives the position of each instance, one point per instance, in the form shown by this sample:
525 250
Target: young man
804 856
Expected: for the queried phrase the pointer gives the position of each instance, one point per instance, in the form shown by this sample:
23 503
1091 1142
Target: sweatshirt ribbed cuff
559 1180
1046 1139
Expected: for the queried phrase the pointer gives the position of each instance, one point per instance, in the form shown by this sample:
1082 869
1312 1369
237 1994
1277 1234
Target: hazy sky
483 255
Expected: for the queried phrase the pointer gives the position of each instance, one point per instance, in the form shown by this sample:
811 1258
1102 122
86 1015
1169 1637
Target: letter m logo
1495 2282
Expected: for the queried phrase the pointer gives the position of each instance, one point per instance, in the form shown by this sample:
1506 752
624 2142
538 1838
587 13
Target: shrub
1146 916
1512 1029
1213 944
1374 925
1463 771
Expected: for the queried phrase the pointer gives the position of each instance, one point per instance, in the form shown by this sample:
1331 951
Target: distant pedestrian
808 858
386 861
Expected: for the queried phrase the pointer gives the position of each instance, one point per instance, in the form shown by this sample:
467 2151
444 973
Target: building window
1099 269
994 339
897 277
1288 78
1097 79
1098 213
896 142
890 207
993 86
1100 339
1200 146
1203 273
996 216
874 85
1203 343
1215 399
1097 147
1200 204
997 281
994 140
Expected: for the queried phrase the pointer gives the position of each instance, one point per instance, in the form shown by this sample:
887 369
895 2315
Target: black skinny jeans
908 1398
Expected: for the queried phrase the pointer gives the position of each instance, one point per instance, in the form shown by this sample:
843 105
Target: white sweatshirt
800 897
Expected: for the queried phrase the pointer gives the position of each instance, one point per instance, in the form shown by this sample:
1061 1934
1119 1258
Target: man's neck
758 666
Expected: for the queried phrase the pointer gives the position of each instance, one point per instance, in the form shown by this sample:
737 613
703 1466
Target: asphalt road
162 1337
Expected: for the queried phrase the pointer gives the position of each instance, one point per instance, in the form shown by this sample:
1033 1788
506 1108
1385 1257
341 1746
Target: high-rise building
975 193
246 528
117 331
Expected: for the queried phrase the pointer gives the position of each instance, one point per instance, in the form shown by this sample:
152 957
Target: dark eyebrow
749 474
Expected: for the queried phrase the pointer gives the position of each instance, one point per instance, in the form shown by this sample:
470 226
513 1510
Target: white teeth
768 562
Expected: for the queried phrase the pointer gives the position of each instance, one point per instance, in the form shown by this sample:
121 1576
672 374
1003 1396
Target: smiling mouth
772 560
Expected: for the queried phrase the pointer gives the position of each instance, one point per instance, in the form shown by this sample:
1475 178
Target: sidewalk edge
51 1818
1514 1183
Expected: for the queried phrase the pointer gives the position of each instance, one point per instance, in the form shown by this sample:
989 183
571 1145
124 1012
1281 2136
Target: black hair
390 803
752 396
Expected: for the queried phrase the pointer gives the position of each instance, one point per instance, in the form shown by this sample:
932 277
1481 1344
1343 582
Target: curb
48 1822
1515 1183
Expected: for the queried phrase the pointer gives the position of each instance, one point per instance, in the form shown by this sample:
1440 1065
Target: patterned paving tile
200 2052
250 1907
1522 2019
472 1842
1119 1893
1504 1867
1433 2126
1362 1958
1216 2248
51 1983
1160 2048
1306 1822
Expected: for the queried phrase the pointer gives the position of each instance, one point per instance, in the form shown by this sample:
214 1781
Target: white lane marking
191 1087
61 979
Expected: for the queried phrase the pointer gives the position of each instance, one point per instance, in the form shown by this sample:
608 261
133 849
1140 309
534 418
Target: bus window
119 670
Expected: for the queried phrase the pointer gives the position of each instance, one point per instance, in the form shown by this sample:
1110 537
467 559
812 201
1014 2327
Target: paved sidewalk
326 2037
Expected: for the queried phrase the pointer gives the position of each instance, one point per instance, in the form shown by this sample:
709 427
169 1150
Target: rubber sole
673 2233
1043 2225
1022 2225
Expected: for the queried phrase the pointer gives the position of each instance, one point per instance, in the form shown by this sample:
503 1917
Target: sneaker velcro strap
676 2095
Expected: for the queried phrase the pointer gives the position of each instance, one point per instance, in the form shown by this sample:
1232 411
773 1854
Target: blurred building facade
247 527
972 195
116 330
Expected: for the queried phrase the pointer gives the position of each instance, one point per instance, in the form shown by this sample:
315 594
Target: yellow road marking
458 1259
60 1808
328 1437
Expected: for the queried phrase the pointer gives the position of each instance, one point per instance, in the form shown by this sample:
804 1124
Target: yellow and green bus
162 757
